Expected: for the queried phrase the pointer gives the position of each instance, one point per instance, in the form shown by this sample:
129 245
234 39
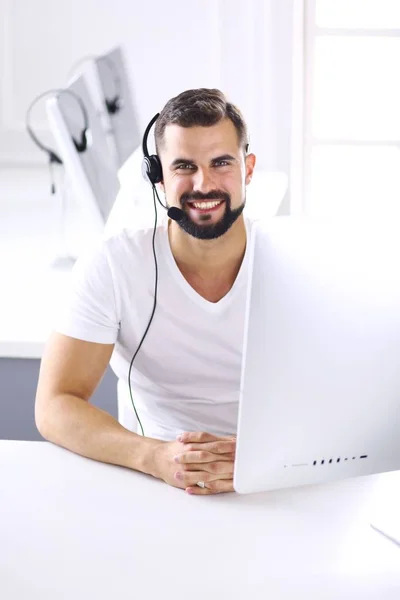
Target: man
186 375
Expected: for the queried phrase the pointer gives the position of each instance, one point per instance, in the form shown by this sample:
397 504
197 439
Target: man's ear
161 186
250 162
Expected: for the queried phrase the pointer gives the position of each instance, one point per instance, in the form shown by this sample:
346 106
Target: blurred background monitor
90 171
118 103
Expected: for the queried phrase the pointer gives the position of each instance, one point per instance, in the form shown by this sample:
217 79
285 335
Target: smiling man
186 375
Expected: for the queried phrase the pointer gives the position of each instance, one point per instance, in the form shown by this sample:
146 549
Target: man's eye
185 167
221 163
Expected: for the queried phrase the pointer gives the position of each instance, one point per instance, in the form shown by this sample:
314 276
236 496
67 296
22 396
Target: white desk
72 528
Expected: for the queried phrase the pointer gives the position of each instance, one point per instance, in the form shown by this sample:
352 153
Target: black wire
154 305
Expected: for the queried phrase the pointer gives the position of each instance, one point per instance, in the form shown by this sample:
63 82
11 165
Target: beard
209 231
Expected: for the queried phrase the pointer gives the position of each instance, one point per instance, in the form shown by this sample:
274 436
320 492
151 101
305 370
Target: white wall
242 47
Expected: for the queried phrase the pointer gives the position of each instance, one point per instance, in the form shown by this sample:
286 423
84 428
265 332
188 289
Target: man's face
205 174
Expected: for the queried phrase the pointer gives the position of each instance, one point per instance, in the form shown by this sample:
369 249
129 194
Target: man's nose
203 181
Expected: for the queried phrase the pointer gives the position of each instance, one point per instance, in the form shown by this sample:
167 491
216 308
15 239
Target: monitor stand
63 261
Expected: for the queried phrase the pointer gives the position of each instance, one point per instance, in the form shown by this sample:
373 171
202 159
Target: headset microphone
176 214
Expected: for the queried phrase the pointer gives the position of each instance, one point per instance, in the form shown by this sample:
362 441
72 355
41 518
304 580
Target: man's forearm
75 424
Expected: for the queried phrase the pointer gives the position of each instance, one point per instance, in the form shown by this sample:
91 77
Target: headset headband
47 93
146 134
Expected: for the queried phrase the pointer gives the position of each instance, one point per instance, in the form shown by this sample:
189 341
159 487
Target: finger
202 456
202 436
215 487
196 436
217 468
189 478
218 447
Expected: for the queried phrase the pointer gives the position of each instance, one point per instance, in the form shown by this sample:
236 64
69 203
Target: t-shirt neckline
213 307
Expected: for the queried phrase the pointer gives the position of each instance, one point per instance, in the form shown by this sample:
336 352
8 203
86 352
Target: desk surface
75 528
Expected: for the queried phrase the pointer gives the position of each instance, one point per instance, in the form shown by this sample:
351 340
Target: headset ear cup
145 168
110 107
156 168
114 105
54 158
84 140
151 169
82 145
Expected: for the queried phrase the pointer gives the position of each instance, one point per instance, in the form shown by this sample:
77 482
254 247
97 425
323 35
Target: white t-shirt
186 376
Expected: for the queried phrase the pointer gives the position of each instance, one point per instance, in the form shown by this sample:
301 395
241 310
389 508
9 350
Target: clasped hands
198 456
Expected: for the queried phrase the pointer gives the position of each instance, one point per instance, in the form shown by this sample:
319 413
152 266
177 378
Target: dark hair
200 107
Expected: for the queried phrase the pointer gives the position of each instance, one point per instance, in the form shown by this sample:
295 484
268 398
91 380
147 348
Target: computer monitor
118 103
320 387
91 174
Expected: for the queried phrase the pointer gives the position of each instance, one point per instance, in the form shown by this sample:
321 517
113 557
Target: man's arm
70 371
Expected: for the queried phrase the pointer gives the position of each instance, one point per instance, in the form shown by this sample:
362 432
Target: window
352 107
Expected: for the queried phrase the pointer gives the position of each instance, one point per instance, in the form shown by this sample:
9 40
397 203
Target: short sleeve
89 310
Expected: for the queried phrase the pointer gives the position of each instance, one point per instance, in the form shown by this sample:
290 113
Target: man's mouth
205 205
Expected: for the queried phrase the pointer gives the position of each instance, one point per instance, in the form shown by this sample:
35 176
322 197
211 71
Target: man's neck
209 259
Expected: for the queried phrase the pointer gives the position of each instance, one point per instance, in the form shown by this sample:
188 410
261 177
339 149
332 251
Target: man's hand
197 456
215 455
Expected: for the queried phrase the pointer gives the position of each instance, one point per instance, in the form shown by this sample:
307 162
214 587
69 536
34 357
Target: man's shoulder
126 250
130 242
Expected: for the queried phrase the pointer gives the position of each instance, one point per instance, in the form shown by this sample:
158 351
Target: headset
80 144
152 172
151 165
